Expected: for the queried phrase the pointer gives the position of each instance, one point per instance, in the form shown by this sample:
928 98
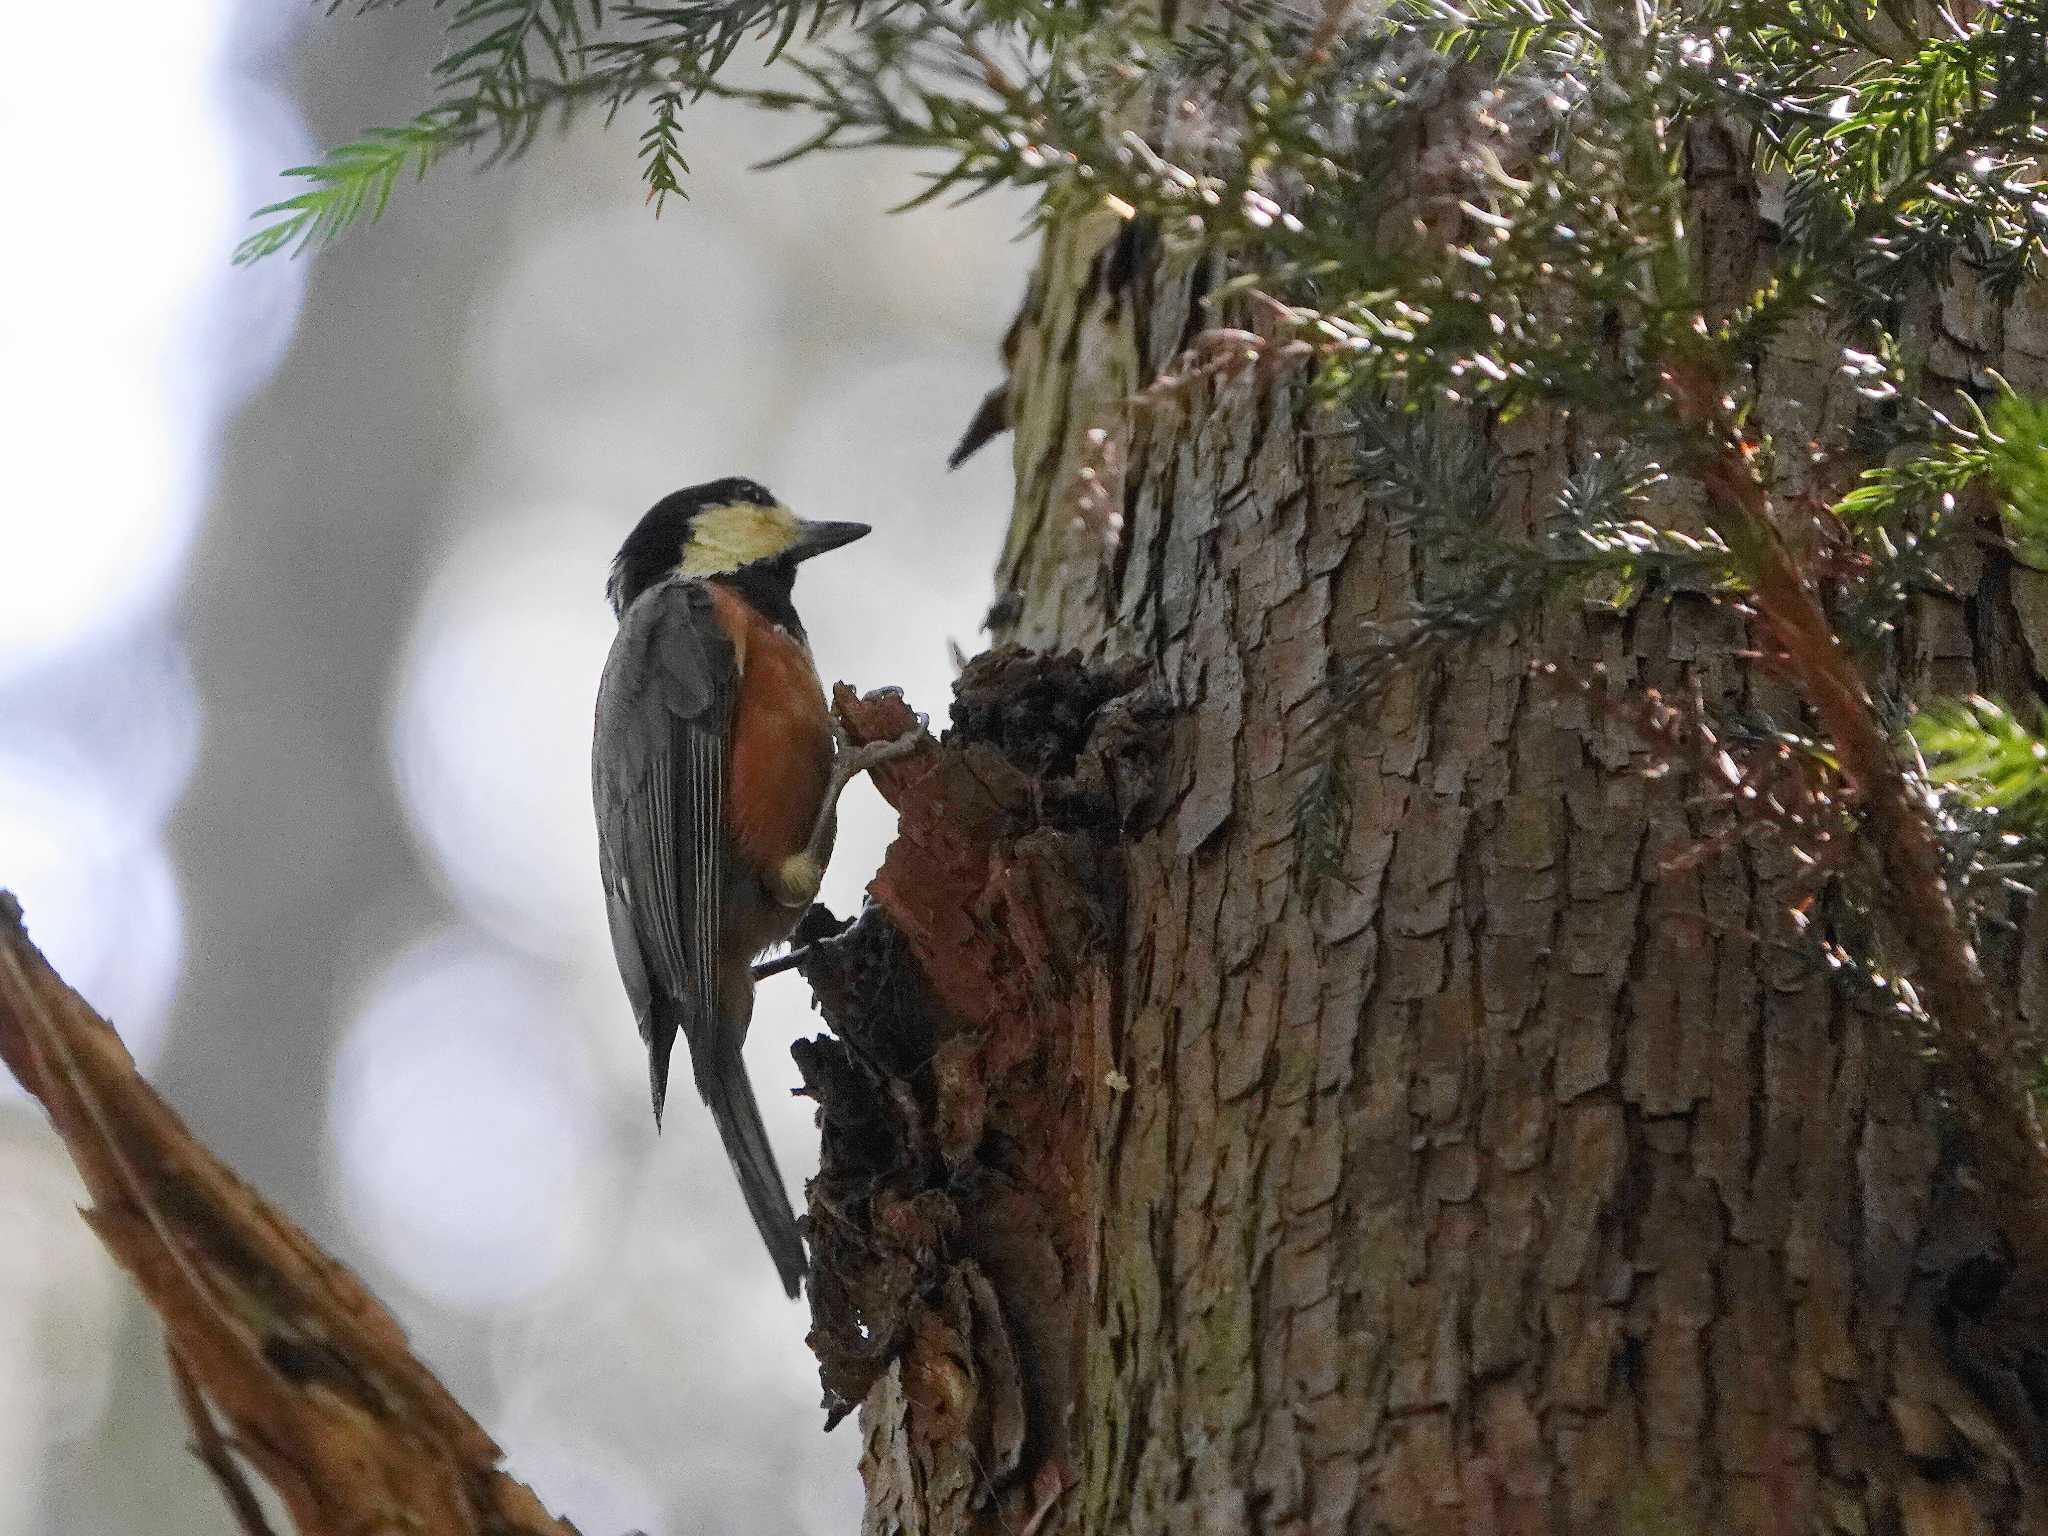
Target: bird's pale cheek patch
722 539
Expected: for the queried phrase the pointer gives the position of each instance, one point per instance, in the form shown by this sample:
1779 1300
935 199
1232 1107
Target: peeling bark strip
953 1210
313 1378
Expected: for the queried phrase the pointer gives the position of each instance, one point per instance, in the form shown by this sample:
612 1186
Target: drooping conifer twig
283 1360
1976 1059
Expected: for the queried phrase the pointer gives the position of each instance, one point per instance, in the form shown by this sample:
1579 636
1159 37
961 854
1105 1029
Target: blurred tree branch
310 1377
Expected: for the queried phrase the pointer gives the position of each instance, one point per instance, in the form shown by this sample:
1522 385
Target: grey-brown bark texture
1525 1176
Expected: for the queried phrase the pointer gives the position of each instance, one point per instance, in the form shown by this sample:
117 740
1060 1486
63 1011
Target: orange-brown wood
780 754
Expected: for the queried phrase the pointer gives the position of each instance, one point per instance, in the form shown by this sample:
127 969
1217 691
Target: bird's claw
857 760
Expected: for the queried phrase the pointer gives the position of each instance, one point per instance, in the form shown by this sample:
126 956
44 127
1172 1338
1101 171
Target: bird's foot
816 926
849 761
788 961
799 876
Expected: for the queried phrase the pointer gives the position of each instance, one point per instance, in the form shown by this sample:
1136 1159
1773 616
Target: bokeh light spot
492 735
99 893
459 1153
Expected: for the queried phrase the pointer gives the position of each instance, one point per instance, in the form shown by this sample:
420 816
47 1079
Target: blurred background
301 616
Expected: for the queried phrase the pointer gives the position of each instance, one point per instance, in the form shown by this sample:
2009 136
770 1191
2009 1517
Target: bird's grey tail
731 1098
659 1031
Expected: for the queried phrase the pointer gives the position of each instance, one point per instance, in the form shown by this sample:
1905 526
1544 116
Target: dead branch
214 1452
311 1378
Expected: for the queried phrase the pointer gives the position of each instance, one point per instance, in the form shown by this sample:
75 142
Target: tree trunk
1526 1175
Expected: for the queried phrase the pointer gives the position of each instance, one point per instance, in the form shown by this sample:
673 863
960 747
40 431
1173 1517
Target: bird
716 768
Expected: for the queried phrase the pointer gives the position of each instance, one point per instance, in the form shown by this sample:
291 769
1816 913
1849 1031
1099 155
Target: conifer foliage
1539 255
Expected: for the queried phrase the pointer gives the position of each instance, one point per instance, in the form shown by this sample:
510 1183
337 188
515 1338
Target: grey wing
658 783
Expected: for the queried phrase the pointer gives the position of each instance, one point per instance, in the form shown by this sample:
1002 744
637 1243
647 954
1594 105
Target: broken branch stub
953 1213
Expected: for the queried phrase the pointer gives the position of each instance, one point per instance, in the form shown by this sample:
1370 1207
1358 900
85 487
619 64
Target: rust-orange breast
780 753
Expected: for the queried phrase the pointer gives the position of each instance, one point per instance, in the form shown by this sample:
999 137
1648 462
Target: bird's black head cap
654 546
731 530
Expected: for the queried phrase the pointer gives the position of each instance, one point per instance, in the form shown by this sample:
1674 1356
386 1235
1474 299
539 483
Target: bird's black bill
819 537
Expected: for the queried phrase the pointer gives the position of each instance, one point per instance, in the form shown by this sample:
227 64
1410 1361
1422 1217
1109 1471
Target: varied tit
715 771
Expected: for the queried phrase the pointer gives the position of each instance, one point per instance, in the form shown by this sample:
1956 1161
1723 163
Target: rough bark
1526 1176
950 1225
